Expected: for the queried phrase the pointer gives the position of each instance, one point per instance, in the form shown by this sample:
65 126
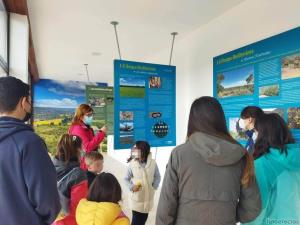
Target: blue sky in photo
132 81
123 124
60 94
237 77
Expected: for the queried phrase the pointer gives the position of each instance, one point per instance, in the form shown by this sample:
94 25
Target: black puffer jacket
68 175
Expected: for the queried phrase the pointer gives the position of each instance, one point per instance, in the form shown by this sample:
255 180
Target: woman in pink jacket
81 127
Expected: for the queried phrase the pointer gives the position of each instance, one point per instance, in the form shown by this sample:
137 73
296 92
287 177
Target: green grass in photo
51 135
236 91
132 92
272 90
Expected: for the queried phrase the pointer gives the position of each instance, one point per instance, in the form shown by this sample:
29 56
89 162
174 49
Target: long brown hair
68 148
248 173
80 112
207 116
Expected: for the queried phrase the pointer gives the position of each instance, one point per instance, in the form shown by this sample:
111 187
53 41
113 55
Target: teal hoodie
278 177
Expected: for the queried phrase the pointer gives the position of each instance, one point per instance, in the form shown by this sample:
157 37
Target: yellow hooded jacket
99 213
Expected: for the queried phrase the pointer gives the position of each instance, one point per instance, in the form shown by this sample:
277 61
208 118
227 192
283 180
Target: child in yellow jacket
101 206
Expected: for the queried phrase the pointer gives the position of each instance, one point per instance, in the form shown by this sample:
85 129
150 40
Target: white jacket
142 200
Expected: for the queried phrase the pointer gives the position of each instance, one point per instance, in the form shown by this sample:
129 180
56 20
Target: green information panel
101 99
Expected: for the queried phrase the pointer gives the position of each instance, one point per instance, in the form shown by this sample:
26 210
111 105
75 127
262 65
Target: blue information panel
265 74
144 104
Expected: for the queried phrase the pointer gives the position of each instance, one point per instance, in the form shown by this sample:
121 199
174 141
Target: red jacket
78 192
90 141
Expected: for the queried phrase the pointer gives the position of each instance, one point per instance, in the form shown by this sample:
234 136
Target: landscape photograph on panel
237 82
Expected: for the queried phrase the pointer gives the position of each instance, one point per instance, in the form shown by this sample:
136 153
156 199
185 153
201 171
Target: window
3 40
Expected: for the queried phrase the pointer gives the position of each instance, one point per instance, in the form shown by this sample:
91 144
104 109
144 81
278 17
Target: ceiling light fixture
96 54
87 71
171 54
115 23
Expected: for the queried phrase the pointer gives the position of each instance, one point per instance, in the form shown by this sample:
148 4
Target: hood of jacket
215 150
10 126
97 213
291 161
62 168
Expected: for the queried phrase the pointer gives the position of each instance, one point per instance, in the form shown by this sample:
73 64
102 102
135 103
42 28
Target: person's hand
104 129
136 188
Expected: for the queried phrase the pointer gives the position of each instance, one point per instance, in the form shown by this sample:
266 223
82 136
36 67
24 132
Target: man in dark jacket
28 192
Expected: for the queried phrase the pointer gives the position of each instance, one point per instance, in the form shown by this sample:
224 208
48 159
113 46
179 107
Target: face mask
135 154
27 115
88 120
242 124
254 136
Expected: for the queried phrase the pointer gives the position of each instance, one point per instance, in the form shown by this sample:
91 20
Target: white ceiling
67 32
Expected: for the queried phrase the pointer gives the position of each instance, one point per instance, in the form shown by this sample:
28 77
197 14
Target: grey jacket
202 185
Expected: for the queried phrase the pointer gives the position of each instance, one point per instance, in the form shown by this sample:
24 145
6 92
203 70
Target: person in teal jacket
277 168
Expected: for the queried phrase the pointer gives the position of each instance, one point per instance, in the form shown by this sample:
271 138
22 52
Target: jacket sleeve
40 180
88 145
169 196
157 178
64 186
128 177
74 177
249 206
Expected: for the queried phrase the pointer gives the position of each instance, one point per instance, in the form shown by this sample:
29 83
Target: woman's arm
128 177
157 178
90 145
169 196
249 206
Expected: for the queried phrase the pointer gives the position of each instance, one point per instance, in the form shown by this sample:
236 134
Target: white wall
248 22
18 47
2 72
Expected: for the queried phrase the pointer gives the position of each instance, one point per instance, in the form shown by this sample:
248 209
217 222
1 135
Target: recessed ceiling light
80 74
96 53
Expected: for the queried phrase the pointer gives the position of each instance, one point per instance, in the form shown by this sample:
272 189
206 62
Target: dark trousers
139 218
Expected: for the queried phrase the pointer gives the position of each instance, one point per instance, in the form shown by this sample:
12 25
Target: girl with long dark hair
277 168
142 179
209 179
72 181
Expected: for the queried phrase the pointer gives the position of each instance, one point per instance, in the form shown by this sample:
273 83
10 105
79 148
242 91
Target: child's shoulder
122 219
